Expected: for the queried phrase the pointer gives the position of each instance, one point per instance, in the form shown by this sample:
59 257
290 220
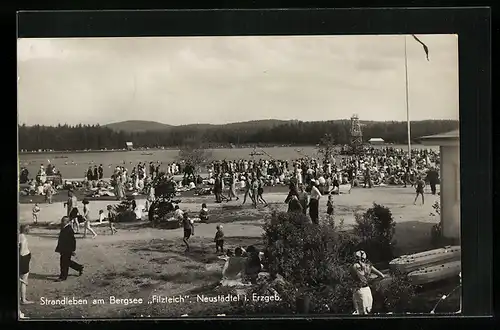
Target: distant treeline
95 137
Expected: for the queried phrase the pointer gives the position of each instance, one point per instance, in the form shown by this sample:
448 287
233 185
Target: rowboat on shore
408 263
435 273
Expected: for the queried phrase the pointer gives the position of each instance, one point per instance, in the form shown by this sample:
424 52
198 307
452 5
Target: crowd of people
308 180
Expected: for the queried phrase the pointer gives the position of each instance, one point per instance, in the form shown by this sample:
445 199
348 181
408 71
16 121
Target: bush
437 230
398 295
376 228
124 213
314 259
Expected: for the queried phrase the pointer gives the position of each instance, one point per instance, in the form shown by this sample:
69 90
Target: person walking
188 229
66 247
86 216
362 295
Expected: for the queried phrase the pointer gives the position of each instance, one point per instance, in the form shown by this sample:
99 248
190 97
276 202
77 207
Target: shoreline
178 149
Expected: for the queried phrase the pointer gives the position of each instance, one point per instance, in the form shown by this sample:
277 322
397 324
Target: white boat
435 273
408 263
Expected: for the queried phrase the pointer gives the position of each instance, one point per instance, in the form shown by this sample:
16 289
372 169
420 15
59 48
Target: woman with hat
362 295
86 216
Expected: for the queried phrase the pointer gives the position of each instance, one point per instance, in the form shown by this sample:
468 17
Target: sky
217 80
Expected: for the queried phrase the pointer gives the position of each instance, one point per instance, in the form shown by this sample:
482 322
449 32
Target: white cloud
223 79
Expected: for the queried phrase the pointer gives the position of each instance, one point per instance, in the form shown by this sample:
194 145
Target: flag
426 49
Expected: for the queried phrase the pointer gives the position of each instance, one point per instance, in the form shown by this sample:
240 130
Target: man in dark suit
433 179
66 246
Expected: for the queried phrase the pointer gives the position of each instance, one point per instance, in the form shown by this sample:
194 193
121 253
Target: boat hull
409 263
435 273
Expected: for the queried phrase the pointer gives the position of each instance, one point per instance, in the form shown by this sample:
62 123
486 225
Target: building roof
376 139
443 136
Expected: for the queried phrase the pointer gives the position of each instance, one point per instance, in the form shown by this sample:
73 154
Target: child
101 216
36 210
188 229
219 239
204 213
329 205
111 218
49 192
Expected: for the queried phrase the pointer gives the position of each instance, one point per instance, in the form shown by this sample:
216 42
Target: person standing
24 262
314 202
419 188
111 219
95 174
303 199
368 178
260 192
35 211
329 205
292 191
86 216
66 247
433 179
255 191
89 174
351 175
362 295
219 239
248 186
100 172
72 210
49 191
232 187
151 170
188 229
218 189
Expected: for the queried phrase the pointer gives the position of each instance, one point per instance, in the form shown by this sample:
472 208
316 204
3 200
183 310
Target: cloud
222 79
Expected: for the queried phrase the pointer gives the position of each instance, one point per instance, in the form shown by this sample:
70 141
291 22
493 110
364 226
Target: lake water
76 164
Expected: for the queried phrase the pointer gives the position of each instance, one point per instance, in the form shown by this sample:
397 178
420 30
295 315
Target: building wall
450 191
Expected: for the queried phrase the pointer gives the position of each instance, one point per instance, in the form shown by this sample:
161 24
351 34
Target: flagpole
407 104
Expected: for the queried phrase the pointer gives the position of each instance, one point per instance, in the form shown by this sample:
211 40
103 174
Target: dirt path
140 261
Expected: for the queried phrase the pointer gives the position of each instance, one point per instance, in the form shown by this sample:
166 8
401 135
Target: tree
327 147
194 154
376 228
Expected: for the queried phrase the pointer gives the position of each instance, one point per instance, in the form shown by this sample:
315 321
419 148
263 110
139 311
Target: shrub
376 228
314 259
437 230
124 213
398 295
